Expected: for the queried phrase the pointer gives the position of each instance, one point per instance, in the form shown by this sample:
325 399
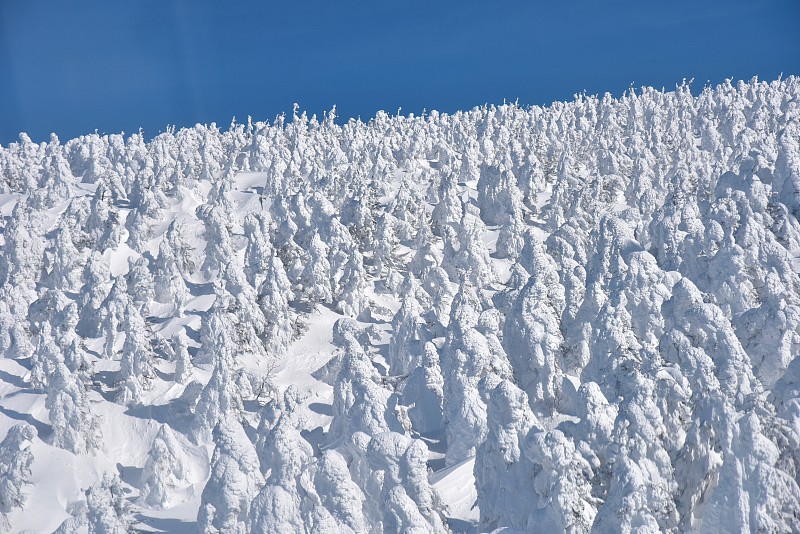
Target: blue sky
76 66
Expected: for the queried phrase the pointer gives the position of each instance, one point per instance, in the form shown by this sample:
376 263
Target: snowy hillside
562 319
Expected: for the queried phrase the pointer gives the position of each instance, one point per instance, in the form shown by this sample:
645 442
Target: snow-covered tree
218 248
169 286
113 315
75 427
466 255
340 497
502 475
562 483
15 468
409 333
259 250
352 293
448 210
274 296
234 482
498 195
136 366
165 471
108 511
183 360
533 341
398 465
96 276
360 403
316 277
286 456
220 399
466 359
64 261
423 392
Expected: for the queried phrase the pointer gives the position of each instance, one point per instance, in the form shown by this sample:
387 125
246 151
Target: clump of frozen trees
598 301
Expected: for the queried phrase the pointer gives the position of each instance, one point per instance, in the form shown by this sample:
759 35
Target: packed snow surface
581 317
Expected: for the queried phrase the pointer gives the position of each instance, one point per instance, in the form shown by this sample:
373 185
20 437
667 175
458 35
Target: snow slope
584 317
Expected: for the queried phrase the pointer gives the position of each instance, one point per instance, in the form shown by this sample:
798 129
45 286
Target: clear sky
75 66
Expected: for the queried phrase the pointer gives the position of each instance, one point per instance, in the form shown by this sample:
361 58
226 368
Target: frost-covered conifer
358 214
21 163
103 226
239 298
561 481
140 221
56 182
533 343
466 255
95 277
23 251
258 251
108 512
165 471
136 365
216 322
113 313
316 277
427 255
234 482
334 234
65 260
15 340
511 240
642 472
410 503
51 308
360 403
340 499
286 232
274 296
45 356
281 449
409 334
76 359
75 427
178 243
183 360
466 359
502 474
423 392
286 456
140 282
498 194
169 285
352 298
385 242
15 468
220 399
219 248
448 210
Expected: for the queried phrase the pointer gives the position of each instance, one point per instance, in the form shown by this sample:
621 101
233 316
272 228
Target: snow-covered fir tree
234 481
15 465
165 471
107 510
